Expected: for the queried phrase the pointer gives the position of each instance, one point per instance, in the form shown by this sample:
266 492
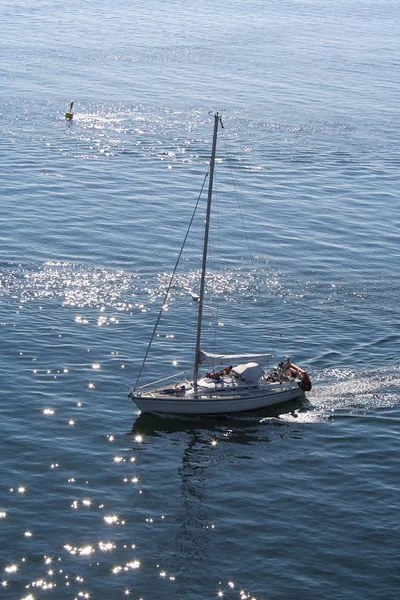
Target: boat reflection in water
242 428
191 470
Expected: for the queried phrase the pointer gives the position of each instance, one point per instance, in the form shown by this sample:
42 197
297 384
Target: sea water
96 500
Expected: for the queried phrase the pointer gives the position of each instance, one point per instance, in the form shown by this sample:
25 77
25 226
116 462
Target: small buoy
70 114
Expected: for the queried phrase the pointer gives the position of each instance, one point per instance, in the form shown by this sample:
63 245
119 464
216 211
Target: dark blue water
97 501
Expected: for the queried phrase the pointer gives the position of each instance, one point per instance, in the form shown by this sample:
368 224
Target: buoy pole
69 115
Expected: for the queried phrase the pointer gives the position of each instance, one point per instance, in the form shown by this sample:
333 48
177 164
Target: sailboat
237 382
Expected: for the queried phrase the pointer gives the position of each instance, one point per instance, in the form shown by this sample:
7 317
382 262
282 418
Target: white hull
207 404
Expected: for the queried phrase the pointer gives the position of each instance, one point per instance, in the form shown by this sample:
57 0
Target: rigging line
170 283
256 277
239 206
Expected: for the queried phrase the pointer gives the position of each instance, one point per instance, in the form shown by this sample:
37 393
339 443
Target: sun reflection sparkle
116 570
106 546
81 320
111 519
86 550
11 569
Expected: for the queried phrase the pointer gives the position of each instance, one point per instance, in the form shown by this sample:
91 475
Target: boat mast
217 120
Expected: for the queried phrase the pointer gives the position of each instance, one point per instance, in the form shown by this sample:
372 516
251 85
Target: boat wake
346 391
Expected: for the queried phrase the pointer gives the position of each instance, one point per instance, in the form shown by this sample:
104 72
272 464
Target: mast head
217 117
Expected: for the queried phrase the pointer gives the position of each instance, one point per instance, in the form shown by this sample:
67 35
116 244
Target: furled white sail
209 358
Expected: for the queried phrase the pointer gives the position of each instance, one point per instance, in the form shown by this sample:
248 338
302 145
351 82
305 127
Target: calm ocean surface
97 501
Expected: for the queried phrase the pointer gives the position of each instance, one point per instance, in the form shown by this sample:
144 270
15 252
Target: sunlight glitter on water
86 550
76 285
233 283
81 320
112 520
106 546
11 569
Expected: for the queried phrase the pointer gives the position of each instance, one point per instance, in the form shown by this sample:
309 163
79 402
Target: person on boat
218 374
284 368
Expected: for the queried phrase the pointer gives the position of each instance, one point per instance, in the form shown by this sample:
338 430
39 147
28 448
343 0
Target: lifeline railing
142 387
